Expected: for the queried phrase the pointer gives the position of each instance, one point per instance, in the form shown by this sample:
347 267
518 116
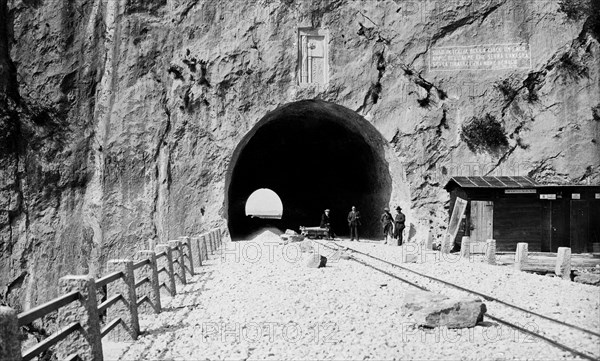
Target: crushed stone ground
257 301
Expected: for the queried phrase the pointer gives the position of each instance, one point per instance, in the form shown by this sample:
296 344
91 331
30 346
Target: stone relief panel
313 56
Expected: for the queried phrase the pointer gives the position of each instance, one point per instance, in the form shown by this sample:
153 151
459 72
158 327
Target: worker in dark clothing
326 223
387 221
399 225
353 223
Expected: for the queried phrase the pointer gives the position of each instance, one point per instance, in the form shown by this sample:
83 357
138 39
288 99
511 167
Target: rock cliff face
119 119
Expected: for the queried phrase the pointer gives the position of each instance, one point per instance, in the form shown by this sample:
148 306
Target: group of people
392 226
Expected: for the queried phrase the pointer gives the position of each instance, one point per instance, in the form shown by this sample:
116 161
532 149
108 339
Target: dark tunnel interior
314 155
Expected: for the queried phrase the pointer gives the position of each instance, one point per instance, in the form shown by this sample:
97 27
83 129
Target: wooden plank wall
517 220
580 226
482 215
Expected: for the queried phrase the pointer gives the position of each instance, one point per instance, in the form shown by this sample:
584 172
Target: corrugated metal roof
493 182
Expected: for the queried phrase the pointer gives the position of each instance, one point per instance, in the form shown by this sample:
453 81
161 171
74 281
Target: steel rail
532 333
486 297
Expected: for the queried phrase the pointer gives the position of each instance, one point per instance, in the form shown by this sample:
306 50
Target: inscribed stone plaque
312 56
480 57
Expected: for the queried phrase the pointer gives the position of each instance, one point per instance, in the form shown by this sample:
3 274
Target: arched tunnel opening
314 155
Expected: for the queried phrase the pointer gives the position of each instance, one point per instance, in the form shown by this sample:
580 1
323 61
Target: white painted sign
520 191
548 196
480 57
576 196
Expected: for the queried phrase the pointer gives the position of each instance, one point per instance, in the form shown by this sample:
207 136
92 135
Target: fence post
215 240
465 244
490 251
205 246
563 263
187 244
87 342
521 255
152 290
197 242
165 265
178 260
10 345
429 241
447 243
211 237
127 308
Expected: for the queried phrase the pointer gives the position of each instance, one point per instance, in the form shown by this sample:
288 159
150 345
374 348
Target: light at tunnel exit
264 203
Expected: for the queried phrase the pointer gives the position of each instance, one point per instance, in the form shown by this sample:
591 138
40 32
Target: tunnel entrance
314 155
264 203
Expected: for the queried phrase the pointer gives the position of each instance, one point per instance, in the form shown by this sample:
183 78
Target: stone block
10 346
563 263
87 342
127 308
434 310
588 279
315 260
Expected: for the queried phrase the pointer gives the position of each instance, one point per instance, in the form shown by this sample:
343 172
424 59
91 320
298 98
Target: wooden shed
517 209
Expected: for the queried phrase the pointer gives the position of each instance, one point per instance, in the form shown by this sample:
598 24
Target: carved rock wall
128 111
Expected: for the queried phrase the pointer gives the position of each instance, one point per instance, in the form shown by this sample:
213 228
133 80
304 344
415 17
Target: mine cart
314 232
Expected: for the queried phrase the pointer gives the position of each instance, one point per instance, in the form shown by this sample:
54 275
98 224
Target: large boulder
434 310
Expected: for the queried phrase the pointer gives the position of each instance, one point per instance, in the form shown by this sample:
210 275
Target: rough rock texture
118 119
434 310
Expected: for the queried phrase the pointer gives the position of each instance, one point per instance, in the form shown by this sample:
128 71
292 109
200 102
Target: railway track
428 283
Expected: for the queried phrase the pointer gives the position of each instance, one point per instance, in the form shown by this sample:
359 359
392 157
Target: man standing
387 221
353 223
399 225
326 223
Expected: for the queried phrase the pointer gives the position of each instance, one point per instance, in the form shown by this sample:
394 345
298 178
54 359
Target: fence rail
28 317
81 321
51 341
109 279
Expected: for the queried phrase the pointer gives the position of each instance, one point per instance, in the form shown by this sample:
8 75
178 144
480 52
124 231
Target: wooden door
546 226
579 226
517 220
482 220
594 240
560 231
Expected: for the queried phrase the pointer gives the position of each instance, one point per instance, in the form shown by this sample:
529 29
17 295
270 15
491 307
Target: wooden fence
131 287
